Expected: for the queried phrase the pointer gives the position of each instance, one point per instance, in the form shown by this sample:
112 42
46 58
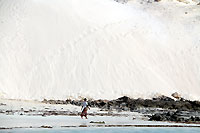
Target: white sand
58 49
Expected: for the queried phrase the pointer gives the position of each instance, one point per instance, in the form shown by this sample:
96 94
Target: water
109 130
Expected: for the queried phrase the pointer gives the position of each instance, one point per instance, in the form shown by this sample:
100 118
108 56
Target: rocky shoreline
160 108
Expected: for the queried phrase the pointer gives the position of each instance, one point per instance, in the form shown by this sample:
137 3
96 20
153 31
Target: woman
84 108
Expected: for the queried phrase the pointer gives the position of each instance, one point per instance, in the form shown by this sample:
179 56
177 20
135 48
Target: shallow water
109 130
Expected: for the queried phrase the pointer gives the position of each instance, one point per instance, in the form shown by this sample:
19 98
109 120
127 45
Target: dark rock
163 98
5 128
182 99
68 101
45 101
2 104
156 117
51 101
46 126
123 99
98 122
78 103
101 103
197 118
177 116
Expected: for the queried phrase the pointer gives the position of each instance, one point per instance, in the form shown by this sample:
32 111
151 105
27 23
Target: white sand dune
59 49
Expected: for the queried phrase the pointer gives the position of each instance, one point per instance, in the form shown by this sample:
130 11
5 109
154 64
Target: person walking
84 108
